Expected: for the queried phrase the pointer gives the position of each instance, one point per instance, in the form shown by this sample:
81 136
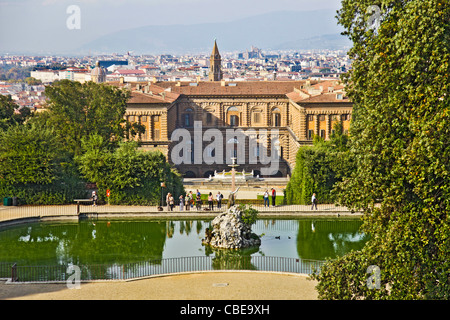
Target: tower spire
215 49
215 64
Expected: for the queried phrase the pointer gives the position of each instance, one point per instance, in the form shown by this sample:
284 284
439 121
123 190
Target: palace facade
274 116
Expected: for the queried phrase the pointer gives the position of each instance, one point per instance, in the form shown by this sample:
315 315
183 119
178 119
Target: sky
28 24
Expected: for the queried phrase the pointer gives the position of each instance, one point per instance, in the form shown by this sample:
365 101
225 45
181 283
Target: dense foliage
48 158
318 168
34 167
132 176
10 113
399 84
249 215
79 110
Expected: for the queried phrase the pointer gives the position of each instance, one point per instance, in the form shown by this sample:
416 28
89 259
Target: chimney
154 80
121 80
223 83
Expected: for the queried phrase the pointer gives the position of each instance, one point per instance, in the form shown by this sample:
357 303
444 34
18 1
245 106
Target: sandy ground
197 286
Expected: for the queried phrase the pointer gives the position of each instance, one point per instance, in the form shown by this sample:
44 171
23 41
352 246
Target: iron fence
136 270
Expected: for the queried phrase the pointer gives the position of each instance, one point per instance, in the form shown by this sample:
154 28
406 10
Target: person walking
274 195
219 198
266 199
314 201
181 202
211 201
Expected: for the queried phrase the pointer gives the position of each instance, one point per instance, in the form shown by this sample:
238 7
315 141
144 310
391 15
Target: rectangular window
322 134
257 117
310 134
256 151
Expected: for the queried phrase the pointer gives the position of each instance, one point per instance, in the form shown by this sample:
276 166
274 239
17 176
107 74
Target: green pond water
91 242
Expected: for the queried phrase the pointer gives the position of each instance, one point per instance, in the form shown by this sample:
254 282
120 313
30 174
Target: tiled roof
324 91
153 94
232 88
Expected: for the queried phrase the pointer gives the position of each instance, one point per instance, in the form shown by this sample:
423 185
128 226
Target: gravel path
196 286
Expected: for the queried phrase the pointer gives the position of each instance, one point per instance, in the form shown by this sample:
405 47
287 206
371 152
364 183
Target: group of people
188 201
273 194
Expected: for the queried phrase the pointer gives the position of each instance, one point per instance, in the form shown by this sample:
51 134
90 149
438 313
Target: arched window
233 116
276 117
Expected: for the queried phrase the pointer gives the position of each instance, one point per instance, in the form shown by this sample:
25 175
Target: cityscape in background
24 77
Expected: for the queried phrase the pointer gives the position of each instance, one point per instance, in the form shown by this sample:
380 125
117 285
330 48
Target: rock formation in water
230 232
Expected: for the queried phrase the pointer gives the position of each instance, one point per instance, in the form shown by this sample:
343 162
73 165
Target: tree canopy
399 86
132 176
10 113
79 110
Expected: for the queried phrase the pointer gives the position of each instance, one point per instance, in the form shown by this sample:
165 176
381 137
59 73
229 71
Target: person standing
274 195
171 202
191 197
266 199
198 201
219 198
94 198
314 201
167 201
187 200
211 201
181 202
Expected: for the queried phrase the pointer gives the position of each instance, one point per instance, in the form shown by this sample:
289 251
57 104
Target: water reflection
319 239
129 241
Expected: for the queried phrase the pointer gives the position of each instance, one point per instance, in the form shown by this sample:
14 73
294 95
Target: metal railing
136 270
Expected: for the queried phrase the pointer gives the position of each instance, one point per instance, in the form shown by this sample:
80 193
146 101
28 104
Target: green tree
399 139
132 176
8 115
79 110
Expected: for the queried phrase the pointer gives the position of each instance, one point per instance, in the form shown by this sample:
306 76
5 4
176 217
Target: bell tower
215 64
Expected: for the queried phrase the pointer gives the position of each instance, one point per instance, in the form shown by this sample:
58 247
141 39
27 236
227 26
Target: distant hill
328 41
277 30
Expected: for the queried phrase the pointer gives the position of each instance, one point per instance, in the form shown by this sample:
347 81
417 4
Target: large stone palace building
295 110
